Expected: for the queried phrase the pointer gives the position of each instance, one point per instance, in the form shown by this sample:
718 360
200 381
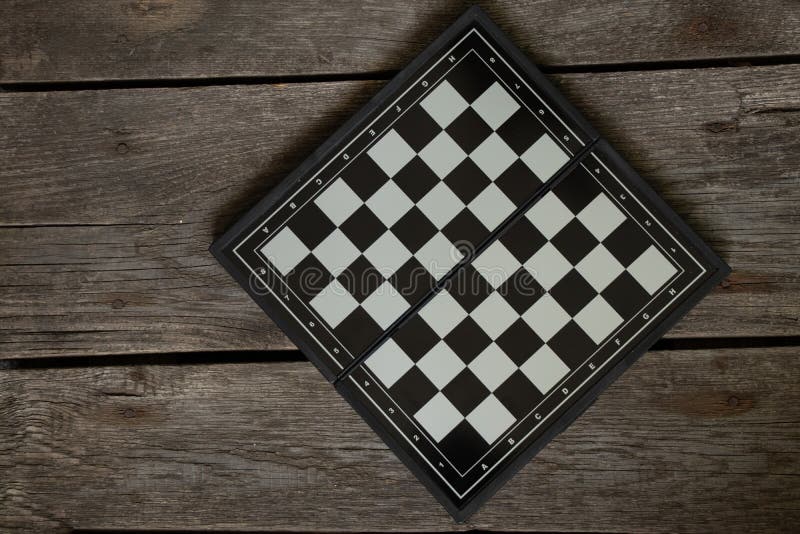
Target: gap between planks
385 75
182 531
282 356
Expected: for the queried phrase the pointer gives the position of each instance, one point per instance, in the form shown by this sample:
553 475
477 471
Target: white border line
680 271
580 386
257 249
377 137
534 94
516 96
311 179
352 160
390 106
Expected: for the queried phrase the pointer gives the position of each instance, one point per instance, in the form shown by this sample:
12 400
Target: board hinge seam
519 212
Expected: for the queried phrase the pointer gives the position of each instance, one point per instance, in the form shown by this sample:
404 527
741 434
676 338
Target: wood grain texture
111 198
157 39
685 441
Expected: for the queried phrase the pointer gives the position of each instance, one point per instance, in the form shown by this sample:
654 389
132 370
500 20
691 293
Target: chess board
468 262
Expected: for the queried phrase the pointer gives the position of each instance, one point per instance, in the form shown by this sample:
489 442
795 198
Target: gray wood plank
156 39
684 442
111 198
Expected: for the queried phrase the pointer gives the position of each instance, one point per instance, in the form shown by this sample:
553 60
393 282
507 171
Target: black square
521 130
574 241
417 128
577 189
466 230
467 180
518 395
413 281
572 345
627 242
518 182
625 295
519 342
309 277
522 239
416 338
465 391
471 77
467 340
416 179
363 228
414 229
469 287
312 226
413 391
463 446
521 290
573 292
357 331
469 130
364 176
361 279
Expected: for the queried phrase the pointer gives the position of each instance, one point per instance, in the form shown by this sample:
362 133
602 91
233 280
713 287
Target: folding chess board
468 263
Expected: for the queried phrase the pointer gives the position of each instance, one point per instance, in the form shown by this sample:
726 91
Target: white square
491 207
492 367
387 254
334 303
652 269
389 363
544 369
438 417
549 215
494 315
338 201
495 105
496 264
440 365
598 319
438 256
493 156
444 104
490 418
442 313
442 154
336 252
544 157
548 266
385 305
601 216
546 317
389 203
599 268
285 250
391 153
440 205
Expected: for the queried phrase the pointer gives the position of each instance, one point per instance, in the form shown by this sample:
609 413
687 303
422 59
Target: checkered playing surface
468 263
451 169
535 304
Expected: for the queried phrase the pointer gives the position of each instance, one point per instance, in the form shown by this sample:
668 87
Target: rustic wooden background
140 388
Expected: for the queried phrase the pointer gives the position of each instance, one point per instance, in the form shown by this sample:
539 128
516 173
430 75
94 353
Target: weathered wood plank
111 198
685 441
146 39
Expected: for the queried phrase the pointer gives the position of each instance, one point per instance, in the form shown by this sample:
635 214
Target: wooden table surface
140 388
